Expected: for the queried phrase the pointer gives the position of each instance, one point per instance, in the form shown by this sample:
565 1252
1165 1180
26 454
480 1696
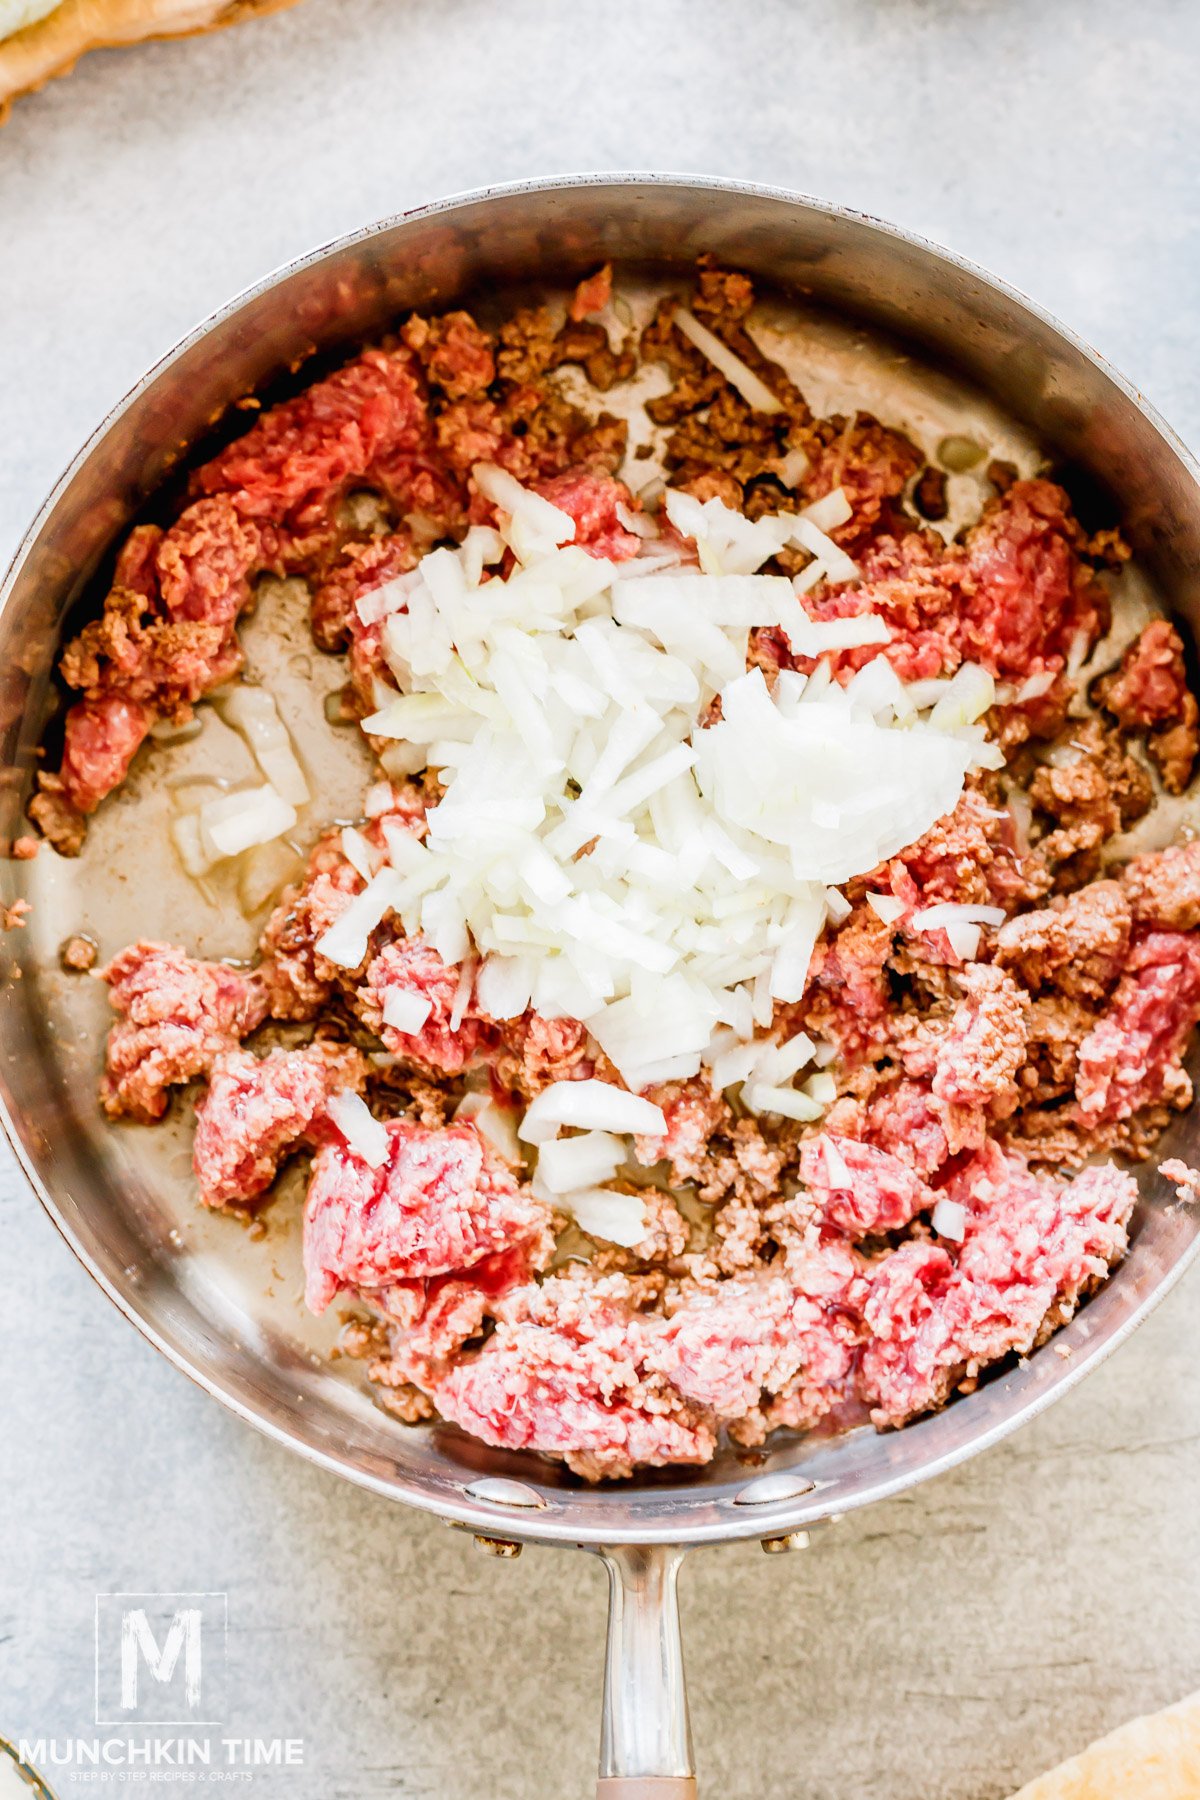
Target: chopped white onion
362 1131
592 1105
886 907
601 853
949 1220
738 374
603 1213
234 822
252 711
577 1162
406 1012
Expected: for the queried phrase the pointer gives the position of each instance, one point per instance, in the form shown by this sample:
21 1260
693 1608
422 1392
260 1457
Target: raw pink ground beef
177 1016
410 966
257 1109
441 1203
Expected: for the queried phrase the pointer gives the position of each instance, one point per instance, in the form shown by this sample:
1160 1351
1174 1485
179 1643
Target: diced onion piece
837 1170
738 374
357 852
950 912
234 822
1034 686
406 1012
579 1162
252 712
462 993
964 940
503 986
788 1103
195 857
971 692
949 1220
886 907
822 1088
589 1104
345 942
506 492
830 511
606 1214
838 567
493 1122
362 1131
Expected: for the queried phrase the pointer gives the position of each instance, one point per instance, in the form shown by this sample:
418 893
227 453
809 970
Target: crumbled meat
456 355
872 465
1031 1245
25 848
1132 1057
78 954
1186 1179
1150 692
568 1372
257 1109
177 1016
299 979
593 294
411 967
983 1048
540 1051
693 1114
1076 946
1163 889
594 502
441 1203
859 1188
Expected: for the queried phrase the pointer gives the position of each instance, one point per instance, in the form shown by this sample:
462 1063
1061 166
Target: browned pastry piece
53 45
1152 1758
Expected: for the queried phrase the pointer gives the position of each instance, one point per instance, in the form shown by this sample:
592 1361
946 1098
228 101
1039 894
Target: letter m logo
139 1644
160 1659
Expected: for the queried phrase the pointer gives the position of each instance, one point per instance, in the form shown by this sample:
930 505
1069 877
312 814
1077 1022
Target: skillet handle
645 1738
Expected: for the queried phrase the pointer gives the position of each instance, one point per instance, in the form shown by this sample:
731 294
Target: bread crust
1156 1757
53 45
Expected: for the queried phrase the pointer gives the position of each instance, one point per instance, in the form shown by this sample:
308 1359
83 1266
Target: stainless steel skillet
194 1287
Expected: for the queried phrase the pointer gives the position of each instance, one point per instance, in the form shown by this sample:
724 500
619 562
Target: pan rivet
497 1546
791 1540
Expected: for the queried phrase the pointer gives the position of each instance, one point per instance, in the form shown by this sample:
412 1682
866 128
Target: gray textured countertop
946 1645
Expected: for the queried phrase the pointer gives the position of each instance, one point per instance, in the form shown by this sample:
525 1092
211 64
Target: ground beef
1150 692
872 466
1163 889
456 355
568 1372
693 1114
539 1051
595 503
441 1203
984 1046
1031 1246
410 966
360 569
1132 1057
258 1109
860 1189
177 1016
299 979
1076 946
